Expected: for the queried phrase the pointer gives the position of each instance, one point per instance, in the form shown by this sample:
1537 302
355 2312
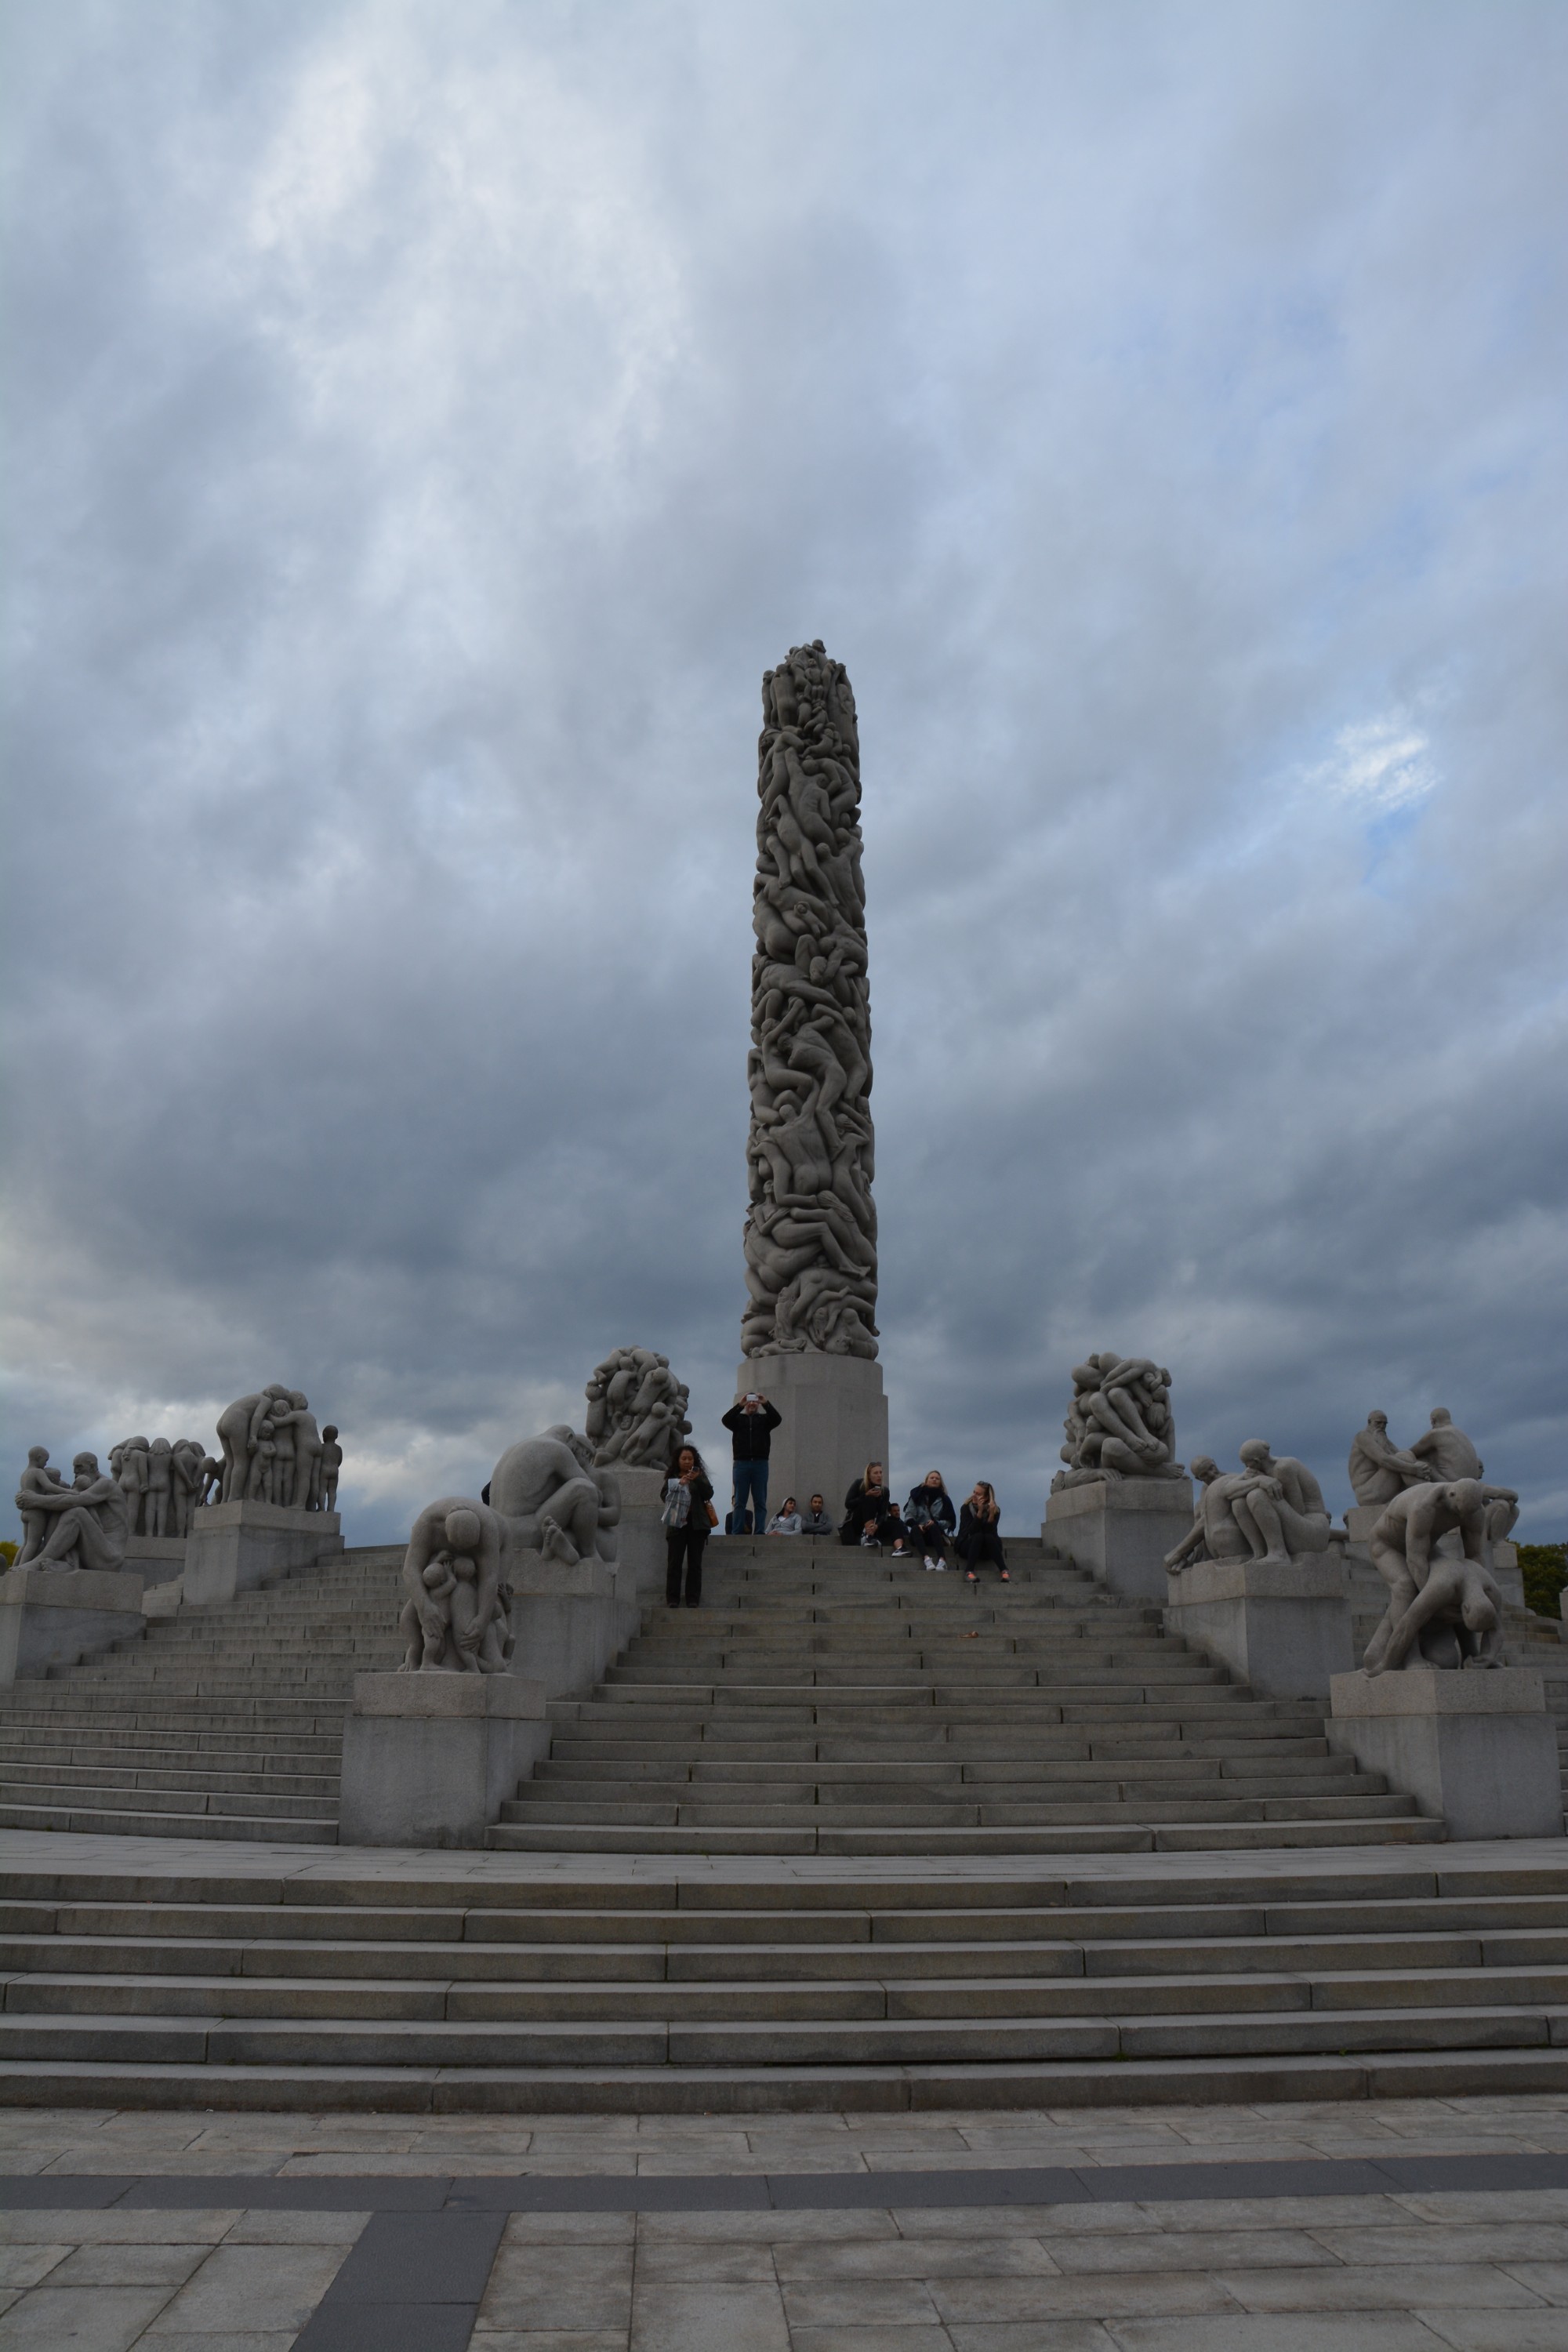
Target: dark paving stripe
481 2198
413 2281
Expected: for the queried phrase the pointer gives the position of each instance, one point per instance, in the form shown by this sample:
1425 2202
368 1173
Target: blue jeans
751 1482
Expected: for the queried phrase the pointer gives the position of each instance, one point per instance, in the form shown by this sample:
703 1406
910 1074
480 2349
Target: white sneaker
930 1562
940 1566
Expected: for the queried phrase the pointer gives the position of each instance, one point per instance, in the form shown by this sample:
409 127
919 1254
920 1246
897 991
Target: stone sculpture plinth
234 1545
571 1622
156 1558
835 1421
1282 1627
430 1759
1120 1529
1476 1746
639 1537
56 1617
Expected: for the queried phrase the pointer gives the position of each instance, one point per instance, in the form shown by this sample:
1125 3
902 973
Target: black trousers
986 1545
931 1537
684 1546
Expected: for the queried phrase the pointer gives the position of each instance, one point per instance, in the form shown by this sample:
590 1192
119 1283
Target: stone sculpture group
1118 1424
1436 1522
811 1228
271 1451
546 1495
636 1409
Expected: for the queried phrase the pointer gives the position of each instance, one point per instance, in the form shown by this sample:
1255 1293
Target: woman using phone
870 1514
687 1495
978 1536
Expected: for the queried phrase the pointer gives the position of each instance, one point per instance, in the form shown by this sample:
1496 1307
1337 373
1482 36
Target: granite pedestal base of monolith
1119 1530
639 1537
1283 1628
570 1623
430 1759
58 1616
1474 1745
233 1546
156 1558
835 1421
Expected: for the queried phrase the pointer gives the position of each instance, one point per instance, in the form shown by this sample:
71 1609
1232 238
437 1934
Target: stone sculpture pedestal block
570 1623
233 1546
1282 1630
157 1559
1475 1745
58 1616
639 1538
1121 1530
430 1759
835 1421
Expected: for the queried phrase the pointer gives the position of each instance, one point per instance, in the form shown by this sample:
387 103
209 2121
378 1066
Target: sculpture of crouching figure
552 1500
1271 1510
1445 1610
456 1618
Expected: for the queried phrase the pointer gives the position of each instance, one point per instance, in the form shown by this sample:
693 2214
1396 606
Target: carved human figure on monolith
811 1230
91 1519
1118 1424
637 1411
1378 1469
1448 1610
457 1616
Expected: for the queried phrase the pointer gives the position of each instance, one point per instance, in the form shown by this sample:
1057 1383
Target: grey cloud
430 428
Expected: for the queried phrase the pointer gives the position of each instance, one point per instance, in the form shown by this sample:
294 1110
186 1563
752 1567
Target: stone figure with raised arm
36 1479
455 1618
91 1519
1378 1469
1449 1609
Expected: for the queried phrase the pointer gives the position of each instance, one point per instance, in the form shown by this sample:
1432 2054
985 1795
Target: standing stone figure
36 1479
269 1443
1118 1424
811 1230
637 1411
331 1464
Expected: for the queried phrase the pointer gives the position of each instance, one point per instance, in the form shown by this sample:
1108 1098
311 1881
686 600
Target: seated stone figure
457 1616
1279 1506
91 1519
1448 1610
549 1484
1215 1533
1378 1469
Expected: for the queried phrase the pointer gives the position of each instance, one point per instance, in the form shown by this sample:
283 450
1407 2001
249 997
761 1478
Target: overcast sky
427 422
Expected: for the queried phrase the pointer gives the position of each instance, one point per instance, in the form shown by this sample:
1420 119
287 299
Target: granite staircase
834 1702
217 1723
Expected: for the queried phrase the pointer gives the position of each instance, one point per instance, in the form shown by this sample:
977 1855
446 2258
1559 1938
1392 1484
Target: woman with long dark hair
979 1539
687 1495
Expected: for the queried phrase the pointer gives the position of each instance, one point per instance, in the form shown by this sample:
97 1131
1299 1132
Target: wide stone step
1122 1836
105 2035
90 1817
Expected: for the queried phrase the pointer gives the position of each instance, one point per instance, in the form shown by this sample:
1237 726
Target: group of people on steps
924 1530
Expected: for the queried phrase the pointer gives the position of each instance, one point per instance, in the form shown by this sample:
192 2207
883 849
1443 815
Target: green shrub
8 1552
1545 1571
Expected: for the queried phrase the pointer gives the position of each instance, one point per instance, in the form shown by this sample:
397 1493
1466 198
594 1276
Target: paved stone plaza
238 2233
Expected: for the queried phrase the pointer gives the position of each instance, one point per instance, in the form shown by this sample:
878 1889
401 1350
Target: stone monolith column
809 1331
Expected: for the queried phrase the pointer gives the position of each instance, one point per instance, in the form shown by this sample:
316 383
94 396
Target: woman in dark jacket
931 1518
978 1536
687 1495
870 1514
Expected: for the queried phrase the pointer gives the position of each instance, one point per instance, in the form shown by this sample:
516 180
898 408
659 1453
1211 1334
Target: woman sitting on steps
979 1537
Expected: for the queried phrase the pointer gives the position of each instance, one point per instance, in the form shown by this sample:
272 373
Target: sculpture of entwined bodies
636 1409
811 1232
1118 1424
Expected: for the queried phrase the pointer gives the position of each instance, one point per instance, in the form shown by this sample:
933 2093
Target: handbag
712 1515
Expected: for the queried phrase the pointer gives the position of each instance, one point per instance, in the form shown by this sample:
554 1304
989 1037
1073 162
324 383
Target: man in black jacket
750 1421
